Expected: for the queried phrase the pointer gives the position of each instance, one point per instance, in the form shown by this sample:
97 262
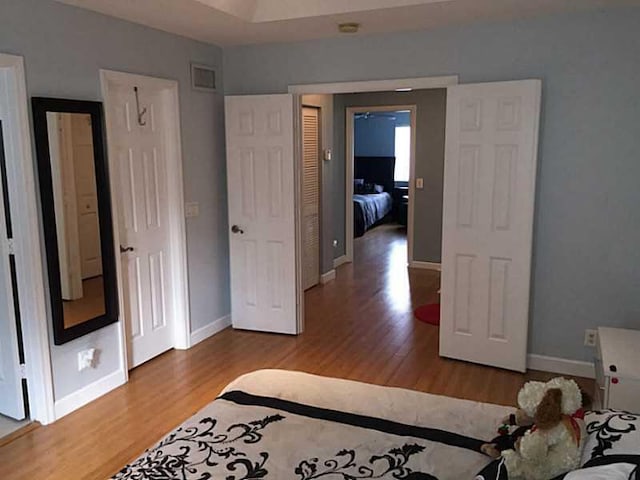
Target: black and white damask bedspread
289 425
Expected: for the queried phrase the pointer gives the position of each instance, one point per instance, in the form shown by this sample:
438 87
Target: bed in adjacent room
290 425
373 187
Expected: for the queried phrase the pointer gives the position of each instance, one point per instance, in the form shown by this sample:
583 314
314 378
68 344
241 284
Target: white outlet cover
86 358
590 337
191 209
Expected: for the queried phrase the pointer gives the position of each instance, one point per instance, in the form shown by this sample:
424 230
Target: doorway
380 158
142 115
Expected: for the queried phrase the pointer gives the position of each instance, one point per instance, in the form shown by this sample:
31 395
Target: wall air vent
203 78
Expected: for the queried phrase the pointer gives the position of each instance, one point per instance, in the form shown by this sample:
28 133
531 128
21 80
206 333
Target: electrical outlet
86 359
590 337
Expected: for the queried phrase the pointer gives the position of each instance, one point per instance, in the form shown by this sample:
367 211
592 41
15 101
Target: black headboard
375 170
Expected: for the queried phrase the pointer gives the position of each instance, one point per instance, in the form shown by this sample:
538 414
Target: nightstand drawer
624 395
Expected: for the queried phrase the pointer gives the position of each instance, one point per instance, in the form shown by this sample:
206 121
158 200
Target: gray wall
587 226
430 126
374 136
64 48
325 104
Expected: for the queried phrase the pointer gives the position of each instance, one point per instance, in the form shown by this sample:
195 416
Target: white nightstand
617 366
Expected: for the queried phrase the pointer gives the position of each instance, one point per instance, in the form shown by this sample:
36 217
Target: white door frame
178 264
27 248
335 88
350 159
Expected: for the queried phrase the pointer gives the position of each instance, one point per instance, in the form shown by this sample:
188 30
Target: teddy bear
550 435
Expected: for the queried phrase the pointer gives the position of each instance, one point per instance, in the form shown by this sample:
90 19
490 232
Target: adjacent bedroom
382 150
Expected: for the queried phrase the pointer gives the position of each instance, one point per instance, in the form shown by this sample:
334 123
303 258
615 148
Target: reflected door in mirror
77 224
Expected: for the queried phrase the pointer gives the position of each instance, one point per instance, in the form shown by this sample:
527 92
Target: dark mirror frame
41 106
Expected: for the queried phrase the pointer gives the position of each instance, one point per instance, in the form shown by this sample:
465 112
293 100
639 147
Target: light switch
191 209
327 155
419 183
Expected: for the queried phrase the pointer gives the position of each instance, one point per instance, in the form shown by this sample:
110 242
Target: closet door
310 197
263 239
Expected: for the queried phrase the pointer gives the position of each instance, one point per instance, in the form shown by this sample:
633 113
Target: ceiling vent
203 78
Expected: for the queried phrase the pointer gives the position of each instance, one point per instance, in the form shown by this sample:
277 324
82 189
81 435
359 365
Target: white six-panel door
489 196
261 194
11 395
143 219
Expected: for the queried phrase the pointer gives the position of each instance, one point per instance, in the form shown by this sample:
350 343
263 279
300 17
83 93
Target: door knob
237 229
126 249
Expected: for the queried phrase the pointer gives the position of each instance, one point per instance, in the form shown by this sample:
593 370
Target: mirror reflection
75 197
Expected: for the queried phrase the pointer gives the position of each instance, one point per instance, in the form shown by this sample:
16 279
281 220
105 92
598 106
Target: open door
489 195
261 181
11 393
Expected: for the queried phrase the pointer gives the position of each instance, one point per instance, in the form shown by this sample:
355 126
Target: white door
310 197
11 395
143 219
65 203
489 194
86 196
261 180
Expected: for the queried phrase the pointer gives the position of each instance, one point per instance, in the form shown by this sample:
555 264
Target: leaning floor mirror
74 192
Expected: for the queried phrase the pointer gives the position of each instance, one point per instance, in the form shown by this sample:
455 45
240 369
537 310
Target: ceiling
237 22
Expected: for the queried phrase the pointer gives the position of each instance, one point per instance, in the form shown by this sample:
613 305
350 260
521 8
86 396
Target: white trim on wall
182 329
375 85
28 252
425 265
562 366
349 159
89 393
328 277
341 260
210 329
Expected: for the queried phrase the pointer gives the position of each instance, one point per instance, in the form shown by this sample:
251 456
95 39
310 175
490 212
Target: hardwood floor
359 327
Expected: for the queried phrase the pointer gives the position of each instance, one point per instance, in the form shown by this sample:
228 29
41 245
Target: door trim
177 237
375 85
349 159
28 252
297 211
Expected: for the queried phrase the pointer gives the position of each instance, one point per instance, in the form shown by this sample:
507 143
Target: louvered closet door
310 197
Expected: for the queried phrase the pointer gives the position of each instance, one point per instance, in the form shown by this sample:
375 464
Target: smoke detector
349 27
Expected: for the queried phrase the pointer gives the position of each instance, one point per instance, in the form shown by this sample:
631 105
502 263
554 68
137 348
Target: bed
290 425
370 207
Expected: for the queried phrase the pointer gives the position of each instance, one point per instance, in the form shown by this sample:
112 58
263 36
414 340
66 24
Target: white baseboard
340 261
560 365
425 265
88 393
210 329
328 277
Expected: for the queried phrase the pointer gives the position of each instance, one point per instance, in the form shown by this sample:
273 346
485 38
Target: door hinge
23 371
11 246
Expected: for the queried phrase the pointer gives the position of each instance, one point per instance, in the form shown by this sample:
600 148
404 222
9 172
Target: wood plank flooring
358 327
